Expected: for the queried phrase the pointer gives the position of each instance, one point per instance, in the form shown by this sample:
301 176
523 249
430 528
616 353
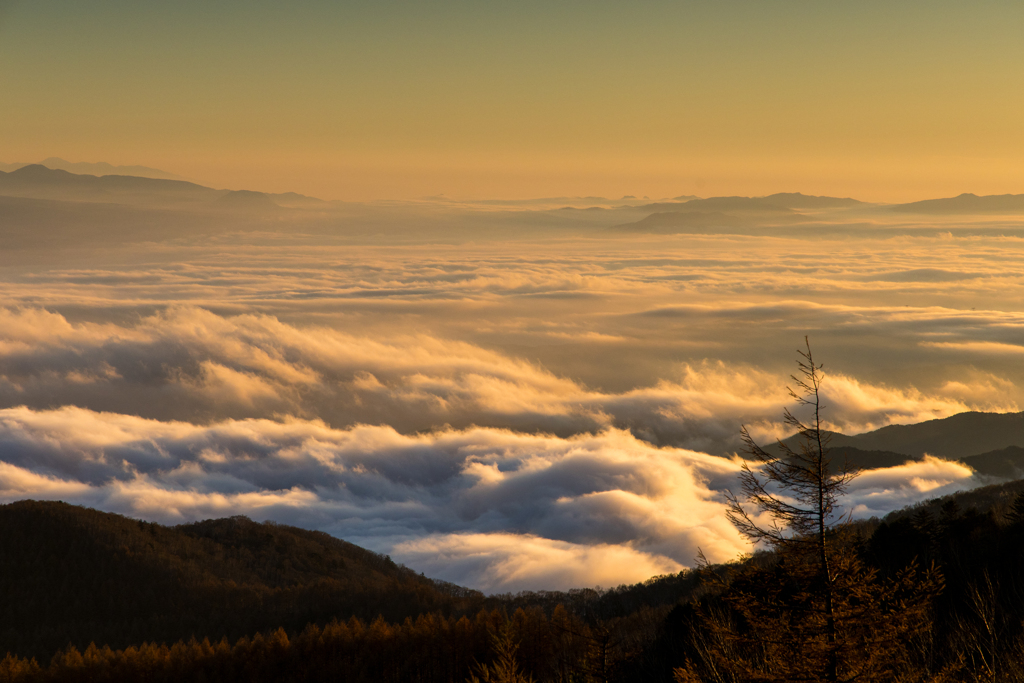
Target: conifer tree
505 668
815 612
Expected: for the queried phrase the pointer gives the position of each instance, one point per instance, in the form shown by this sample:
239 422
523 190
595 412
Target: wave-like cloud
508 405
186 363
489 508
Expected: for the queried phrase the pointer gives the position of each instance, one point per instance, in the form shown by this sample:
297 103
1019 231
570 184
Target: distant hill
990 443
966 204
36 181
780 202
730 212
958 436
796 200
1005 463
39 182
98 168
71 574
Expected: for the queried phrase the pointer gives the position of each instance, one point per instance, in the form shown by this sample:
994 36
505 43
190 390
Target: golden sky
365 100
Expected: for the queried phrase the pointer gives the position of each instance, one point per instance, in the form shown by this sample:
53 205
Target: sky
395 100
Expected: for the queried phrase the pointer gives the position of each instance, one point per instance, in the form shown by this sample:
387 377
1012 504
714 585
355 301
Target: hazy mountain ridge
733 213
39 182
36 181
95 168
966 203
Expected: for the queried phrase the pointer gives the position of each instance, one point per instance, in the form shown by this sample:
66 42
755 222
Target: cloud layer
490 508
502 398
186 363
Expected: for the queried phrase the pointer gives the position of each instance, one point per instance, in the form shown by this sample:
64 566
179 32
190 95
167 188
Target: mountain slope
962 436
36 181
96 168
77 575
39 182
958 436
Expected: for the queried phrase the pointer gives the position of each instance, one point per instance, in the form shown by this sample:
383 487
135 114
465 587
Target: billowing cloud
877 492
187 363
489 508
503 398
508 562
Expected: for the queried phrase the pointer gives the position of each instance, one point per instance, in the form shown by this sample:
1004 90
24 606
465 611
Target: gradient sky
386 99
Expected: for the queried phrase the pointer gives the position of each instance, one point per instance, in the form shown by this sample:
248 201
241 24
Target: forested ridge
76 575
91 596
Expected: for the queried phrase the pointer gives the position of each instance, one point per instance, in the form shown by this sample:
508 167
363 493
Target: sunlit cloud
876 492
186 363
489 508
507 399
981 347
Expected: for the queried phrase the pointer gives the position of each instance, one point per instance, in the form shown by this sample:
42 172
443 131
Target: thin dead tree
798 489
815 611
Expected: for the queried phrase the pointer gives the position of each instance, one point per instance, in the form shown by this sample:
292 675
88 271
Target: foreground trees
812 610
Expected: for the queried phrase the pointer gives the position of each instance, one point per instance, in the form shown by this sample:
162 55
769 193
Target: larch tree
814 612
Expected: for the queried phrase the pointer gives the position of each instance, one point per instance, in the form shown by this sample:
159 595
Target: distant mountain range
788 208
732 212
97 168
780 203
40 182
55 178
967 204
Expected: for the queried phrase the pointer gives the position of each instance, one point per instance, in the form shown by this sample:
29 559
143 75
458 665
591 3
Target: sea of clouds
504 414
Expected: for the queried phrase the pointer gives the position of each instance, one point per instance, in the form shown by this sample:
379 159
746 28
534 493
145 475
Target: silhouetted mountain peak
40 172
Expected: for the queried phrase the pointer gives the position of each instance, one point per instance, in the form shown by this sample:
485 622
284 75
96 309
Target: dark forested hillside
95 596
75 575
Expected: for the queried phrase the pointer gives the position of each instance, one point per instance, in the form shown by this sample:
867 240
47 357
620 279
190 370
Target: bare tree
814 611
798 489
